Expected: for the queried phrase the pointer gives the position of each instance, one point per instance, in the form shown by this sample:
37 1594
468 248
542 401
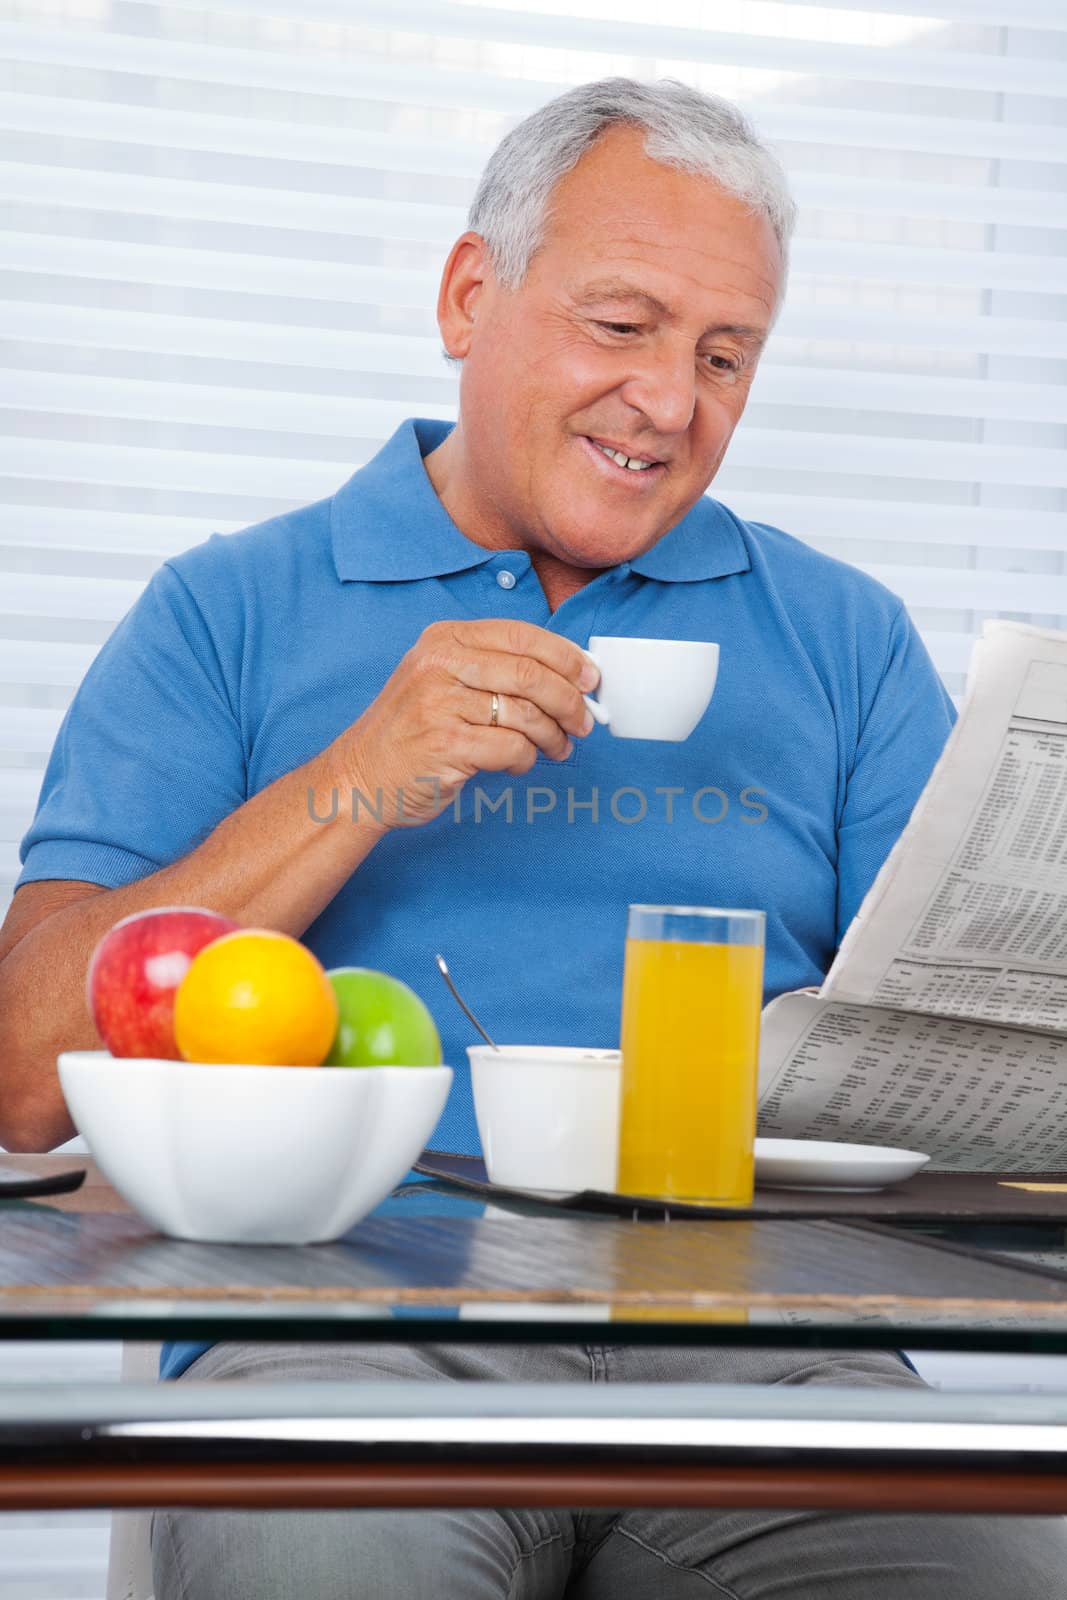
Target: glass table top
433 1263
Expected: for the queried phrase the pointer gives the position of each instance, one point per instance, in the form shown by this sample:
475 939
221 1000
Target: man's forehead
614 287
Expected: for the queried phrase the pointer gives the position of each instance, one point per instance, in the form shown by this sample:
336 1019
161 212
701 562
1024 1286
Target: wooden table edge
452 1483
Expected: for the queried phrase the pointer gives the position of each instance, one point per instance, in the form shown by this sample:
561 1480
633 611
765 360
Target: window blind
223 227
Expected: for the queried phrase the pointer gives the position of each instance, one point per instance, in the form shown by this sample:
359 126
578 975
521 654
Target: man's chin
577 542
583 552
594 560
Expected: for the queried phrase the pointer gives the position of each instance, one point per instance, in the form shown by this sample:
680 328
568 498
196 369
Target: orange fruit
260 998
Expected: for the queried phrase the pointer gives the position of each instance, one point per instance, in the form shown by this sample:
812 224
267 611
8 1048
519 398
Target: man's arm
265 865
268 863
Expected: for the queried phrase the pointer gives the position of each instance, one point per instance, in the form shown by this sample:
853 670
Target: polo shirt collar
388 525
707 543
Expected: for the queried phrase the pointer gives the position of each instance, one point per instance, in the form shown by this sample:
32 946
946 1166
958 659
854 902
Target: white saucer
812 1164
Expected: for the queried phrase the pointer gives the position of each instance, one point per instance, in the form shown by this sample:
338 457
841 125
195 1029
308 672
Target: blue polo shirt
248 654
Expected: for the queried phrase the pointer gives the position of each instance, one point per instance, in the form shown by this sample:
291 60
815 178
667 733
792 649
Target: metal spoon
462 1003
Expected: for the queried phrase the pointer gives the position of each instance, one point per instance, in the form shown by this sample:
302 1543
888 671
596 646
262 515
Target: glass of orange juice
692 992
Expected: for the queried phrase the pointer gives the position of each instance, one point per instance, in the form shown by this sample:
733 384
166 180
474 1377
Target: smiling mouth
633 474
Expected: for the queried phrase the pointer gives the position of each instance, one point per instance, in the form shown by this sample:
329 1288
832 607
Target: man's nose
662 385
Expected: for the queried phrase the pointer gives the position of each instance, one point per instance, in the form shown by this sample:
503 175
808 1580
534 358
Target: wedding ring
494 715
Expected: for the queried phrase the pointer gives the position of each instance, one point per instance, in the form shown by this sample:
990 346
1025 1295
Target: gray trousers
591 1555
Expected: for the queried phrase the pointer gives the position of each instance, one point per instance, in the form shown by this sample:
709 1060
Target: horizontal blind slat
30 594
950 652
331 415
810 517
390 84
944 69
1032 208
988 335
10 867
109 598
278 477
926 265
157 333
133 533
294 277
963 589
1028 14
153 127
786 123
857 389
805 516
871 63
425 13
336 349
87 188
343 417
802 450
286 482
77 256
905 521
304 411
19 788
795 122
339 212
32 730
43 661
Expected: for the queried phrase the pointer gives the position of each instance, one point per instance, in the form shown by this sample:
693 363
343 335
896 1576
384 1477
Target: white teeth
624 461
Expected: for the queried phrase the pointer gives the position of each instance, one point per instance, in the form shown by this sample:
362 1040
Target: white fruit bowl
251 1155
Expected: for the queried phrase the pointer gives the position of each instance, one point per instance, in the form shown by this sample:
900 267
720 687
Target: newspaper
942 1024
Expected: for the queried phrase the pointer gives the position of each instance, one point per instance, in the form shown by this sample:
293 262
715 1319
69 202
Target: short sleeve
149 757
904 732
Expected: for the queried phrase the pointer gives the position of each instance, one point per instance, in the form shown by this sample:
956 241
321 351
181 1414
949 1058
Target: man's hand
426 733
429 729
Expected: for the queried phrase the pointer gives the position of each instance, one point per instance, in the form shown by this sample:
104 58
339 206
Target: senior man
414 644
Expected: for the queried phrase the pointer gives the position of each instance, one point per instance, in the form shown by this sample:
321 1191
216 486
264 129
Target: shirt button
506 579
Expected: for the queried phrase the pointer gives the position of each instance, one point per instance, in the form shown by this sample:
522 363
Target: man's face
568 358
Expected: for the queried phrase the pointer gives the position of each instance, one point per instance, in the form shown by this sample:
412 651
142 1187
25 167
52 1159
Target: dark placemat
929 1196
18 1185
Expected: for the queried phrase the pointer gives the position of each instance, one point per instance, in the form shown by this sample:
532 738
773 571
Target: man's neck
558 580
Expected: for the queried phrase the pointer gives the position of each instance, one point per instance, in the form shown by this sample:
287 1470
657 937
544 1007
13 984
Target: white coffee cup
548 1115
652 688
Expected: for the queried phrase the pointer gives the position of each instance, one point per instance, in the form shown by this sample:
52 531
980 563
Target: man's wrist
344 792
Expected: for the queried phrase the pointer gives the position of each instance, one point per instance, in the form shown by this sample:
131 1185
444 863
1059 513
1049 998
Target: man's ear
462 282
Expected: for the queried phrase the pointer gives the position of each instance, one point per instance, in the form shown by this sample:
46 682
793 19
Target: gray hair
686 128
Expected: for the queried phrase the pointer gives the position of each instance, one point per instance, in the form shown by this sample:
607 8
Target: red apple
135 970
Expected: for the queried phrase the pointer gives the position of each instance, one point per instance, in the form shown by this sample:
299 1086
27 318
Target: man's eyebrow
619 289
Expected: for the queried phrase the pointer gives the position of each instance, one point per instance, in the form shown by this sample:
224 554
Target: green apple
381 1022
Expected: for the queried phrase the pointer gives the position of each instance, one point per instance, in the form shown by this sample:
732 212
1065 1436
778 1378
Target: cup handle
599 712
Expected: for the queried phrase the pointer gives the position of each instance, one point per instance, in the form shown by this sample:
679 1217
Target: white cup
548 1116
652 688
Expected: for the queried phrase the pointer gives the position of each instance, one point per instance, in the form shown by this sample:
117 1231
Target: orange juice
690 1048
720 1314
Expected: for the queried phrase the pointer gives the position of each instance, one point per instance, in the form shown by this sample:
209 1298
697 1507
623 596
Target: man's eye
720 363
